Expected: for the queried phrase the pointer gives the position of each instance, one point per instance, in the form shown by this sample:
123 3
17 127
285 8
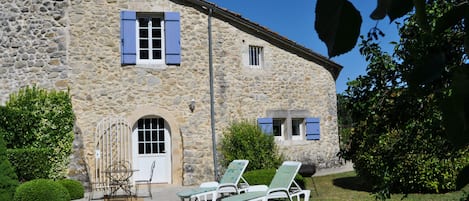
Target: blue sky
295 20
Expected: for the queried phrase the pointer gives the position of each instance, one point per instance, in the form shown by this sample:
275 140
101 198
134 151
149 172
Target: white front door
151 141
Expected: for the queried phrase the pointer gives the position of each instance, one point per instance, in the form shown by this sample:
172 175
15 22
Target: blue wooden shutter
128 37
266 125
312 128
172 38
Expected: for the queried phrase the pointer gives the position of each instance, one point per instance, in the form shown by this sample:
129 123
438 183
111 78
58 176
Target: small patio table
119 178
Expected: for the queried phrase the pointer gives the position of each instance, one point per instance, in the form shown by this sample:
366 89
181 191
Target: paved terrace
168 192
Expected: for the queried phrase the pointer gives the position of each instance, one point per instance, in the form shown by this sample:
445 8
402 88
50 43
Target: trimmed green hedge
31 163
8 178
74 188
41 190
38 118
265 176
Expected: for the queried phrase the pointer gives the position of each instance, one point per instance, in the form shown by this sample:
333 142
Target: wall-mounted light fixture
192 105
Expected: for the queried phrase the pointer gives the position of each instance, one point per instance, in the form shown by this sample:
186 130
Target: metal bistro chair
146 181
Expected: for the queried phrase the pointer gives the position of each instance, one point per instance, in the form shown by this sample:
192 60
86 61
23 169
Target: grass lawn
347 186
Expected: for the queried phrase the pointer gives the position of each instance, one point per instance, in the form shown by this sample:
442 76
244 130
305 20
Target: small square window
255 56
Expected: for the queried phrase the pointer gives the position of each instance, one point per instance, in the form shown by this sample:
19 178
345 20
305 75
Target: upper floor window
150 38
150 44
255 56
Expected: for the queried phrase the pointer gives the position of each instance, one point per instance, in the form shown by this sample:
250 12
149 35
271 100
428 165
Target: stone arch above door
176 141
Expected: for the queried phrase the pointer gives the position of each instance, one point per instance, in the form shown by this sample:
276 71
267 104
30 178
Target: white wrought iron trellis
112 144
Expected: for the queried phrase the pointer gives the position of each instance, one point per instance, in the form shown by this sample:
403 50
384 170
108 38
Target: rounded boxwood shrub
41 190
265 176
75 188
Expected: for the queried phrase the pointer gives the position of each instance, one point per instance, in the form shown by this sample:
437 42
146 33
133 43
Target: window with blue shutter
172 38
312 128
128 37
150 38
266 125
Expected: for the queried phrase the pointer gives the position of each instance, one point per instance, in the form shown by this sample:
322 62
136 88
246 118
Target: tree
398 139
338 23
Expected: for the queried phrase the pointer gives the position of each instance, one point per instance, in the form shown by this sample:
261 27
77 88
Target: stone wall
33 45
80 48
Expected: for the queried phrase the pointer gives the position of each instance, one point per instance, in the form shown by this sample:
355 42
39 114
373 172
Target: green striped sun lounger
282 185
229 184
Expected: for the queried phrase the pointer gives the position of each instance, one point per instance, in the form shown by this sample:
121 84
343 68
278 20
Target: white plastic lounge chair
280 186
229 183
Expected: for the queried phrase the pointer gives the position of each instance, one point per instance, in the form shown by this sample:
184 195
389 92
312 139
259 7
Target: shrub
8 179
265 176
245 140
47 121
31 163
74 188
17 134
41 190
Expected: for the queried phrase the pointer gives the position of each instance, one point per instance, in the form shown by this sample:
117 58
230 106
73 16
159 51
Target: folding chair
146 181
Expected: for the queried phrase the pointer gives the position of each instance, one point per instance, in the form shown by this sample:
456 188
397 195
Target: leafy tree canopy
431 26
398 138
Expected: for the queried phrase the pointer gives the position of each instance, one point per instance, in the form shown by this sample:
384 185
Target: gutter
212 96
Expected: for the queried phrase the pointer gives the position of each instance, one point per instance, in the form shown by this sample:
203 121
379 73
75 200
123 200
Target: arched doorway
151 141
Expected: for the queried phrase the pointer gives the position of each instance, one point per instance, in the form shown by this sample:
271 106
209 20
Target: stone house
150 61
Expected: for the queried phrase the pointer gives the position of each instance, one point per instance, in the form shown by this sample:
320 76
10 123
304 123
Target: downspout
212 98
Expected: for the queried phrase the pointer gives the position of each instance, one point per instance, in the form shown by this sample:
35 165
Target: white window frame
282 128
151 141
301 129
286 131
255 56
150 61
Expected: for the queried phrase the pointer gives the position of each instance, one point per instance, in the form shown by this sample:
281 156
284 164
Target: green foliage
245 140
338 32
8 178
74 188
345 121
41 190
464 196
432 24
334 16
435 63
398 141
47 121
31 163
17 133
265 176
394 146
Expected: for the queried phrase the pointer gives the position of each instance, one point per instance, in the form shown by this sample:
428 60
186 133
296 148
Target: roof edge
271 36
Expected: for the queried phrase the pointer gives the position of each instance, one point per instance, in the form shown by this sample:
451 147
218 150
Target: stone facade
75 44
